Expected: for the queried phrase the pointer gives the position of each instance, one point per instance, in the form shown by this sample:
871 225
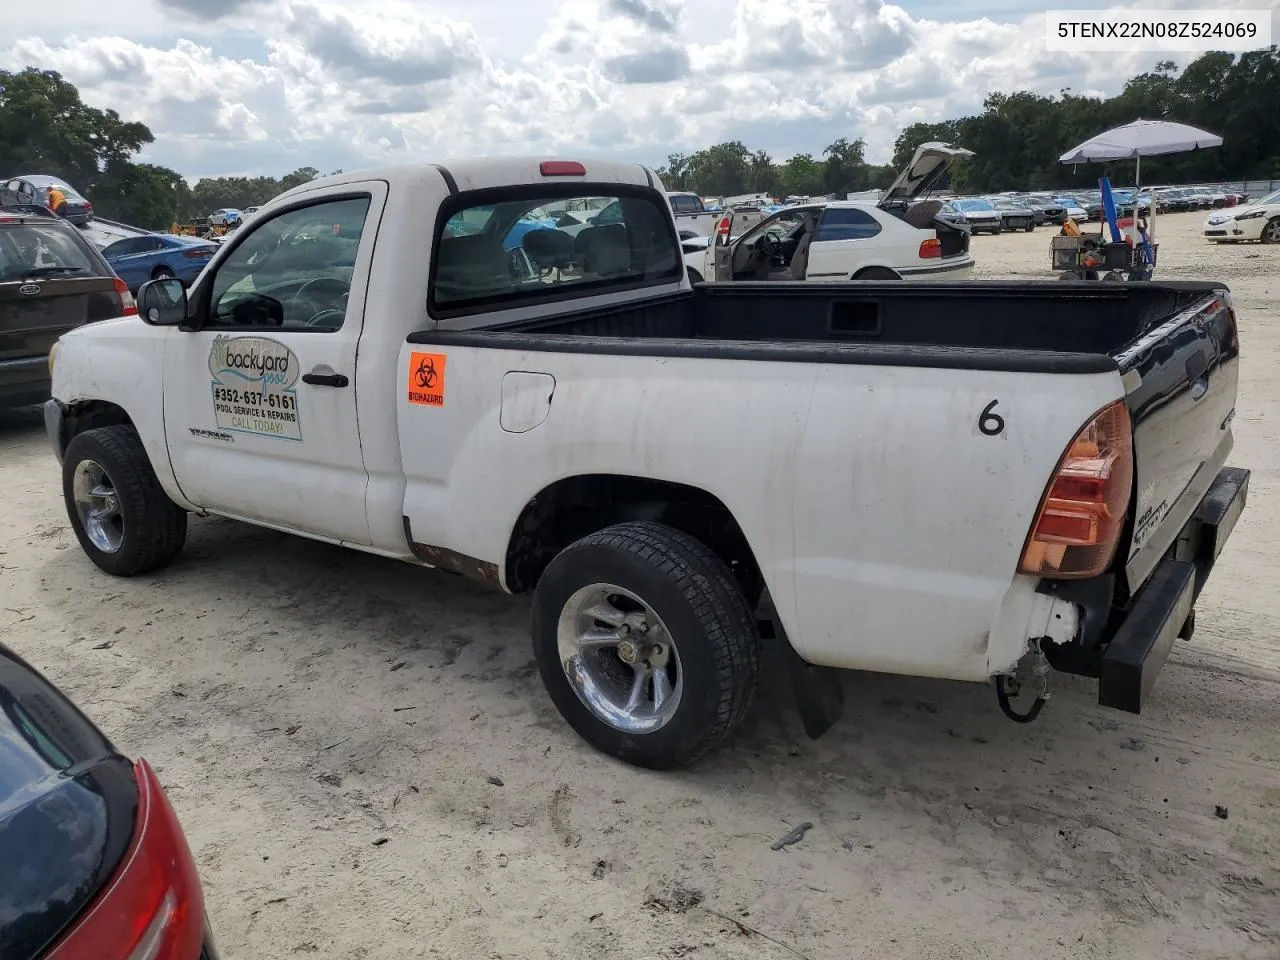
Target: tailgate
1180 378
34 313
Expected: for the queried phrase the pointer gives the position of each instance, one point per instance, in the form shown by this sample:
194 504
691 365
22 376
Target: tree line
1017 139
45 128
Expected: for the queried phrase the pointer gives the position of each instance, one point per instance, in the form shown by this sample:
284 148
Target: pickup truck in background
968 481
693 219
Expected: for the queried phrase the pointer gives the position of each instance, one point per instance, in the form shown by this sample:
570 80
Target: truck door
260 400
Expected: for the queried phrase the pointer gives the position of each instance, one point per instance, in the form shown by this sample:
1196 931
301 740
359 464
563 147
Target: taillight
930 248
1081 516
203 254
722 230
128 306
562 168
152 908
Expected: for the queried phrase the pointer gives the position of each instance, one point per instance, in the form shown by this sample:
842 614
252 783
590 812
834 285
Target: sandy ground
327 724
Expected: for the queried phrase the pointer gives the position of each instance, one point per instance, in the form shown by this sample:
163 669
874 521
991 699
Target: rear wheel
876 273
995 231
1029 227
125 522
646 644
1271 232
694 275
162 273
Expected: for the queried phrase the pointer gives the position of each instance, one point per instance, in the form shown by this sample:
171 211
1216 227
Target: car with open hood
1259 220
902 237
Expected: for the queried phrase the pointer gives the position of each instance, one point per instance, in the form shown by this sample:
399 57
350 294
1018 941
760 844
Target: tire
996 231
694 275
686 591
162 273
148 529
1271 231
876 273
1029 227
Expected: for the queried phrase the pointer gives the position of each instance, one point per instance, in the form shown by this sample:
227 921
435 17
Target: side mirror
163 303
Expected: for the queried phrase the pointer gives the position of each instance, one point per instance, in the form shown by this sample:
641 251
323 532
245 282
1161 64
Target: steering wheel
771 245
339 290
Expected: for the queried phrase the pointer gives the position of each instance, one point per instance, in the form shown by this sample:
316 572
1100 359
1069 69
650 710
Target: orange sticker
426 379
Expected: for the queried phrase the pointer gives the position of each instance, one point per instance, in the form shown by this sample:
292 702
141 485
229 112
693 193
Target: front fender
118 363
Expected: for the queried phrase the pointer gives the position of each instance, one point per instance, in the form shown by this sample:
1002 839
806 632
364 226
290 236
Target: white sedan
1259 220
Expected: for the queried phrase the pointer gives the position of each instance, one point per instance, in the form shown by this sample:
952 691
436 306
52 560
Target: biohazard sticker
426 379
253 387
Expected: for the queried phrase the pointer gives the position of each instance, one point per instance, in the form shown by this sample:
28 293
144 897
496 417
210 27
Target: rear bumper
944 271
1162 609
24 382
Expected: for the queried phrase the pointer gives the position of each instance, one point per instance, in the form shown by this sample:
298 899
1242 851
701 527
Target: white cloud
262 86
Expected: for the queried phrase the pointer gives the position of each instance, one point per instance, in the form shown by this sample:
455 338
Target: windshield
44 183
1273 198
974 205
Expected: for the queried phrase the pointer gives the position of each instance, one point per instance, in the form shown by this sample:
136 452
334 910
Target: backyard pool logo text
253 387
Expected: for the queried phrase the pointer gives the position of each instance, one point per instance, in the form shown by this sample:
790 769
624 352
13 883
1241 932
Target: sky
249 87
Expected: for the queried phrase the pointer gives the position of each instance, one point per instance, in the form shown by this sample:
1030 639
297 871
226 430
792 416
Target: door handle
320 378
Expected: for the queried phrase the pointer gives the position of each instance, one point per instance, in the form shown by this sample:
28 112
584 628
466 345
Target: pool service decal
253 387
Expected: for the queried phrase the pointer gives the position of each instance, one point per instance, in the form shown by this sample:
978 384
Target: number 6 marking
989 423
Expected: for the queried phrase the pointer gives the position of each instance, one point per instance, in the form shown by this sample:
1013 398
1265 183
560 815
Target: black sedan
1014 215
93 862
1044 209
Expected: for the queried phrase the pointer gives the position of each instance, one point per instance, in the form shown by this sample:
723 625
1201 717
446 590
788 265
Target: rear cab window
547 242
32 248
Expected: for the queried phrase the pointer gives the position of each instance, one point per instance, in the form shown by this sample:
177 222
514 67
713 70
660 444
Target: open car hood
927 167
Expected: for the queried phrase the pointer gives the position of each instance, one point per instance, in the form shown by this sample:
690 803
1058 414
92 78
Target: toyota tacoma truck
974 481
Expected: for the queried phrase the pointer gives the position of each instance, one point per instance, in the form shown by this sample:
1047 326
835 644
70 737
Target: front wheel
1028 228
646 644
1271 232
125 522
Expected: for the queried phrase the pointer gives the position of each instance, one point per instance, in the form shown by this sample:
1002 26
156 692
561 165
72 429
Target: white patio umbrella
1142 138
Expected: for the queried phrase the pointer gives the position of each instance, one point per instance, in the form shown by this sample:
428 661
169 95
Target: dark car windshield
974 205
40 249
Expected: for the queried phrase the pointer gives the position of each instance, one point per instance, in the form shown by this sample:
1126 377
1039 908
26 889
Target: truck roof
480 173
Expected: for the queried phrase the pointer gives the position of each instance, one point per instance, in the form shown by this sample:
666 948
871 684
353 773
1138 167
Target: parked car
225 217
1013 215
155 256
1259 220
95 862
1075 211
671 470
982 217
1044 209
51 280
901 238
34 188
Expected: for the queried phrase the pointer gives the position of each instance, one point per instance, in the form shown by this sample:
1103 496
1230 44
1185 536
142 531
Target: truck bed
1033 326
1173 344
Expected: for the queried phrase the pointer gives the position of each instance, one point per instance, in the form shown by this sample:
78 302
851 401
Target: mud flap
818 691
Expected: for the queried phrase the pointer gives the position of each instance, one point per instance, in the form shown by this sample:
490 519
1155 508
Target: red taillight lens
152 909
562 168
1082 513
930 248
128 306
200 253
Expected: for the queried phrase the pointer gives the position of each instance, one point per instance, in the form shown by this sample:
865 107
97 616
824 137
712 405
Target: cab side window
293 270
844 223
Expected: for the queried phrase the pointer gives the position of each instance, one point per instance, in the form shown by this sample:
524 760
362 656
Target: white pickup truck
969 481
